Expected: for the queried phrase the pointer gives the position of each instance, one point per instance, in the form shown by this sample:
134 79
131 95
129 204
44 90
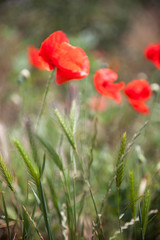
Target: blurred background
115 33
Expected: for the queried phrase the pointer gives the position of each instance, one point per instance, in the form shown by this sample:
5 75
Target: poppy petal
104 84
152 52
140 106
50 45
138 89
36 60
71 62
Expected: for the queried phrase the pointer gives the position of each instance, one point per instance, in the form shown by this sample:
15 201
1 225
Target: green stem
100 234
44 99
119 213
74 199
69 206
44 210
74 192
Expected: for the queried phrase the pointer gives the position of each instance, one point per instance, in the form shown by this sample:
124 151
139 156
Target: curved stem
44 99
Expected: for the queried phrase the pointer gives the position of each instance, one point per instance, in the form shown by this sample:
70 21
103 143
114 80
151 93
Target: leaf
54 197
45 212
52 152
65 129
132 194
145 211
32 168
6 174
6 216
43 164
120 161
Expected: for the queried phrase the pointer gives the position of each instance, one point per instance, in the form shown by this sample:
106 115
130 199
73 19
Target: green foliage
52 152
6 174
120 161
6 216
132 193
65 128
54 197
145 211
32 168
73 117
32 143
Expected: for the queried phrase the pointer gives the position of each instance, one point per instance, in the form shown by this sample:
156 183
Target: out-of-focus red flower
104 80
51 45
98 104
138 92
71 62
152 53
36 60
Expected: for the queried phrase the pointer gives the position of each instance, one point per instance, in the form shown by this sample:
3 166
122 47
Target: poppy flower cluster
137 91
72 63
56 52
152 53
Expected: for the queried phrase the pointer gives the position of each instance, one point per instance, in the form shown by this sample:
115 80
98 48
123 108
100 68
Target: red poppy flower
36 60
138 92
51 45
152 53
71 62
104 83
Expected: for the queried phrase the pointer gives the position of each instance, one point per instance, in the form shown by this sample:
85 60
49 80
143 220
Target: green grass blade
31 138
45 213
36 197
54 198
132 194
32 216
65 129
73 117
32 168
52 152
6 216
33 223
145 211
6 174
37 224
43 164
120 161
140 221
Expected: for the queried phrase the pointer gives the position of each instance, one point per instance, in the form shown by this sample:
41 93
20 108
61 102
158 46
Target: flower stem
119 213
44 99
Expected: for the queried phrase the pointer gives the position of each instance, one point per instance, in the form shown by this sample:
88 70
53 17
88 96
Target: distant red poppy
56 52
36 60
152 53
98 104
138 92
104 80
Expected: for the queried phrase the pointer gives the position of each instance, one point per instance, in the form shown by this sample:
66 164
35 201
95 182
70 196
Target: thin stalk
74 192
140 220
6 216
100 234
44 99
44 211
68 203
119 213
74 200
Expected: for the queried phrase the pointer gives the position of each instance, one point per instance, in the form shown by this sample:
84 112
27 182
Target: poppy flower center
104 84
